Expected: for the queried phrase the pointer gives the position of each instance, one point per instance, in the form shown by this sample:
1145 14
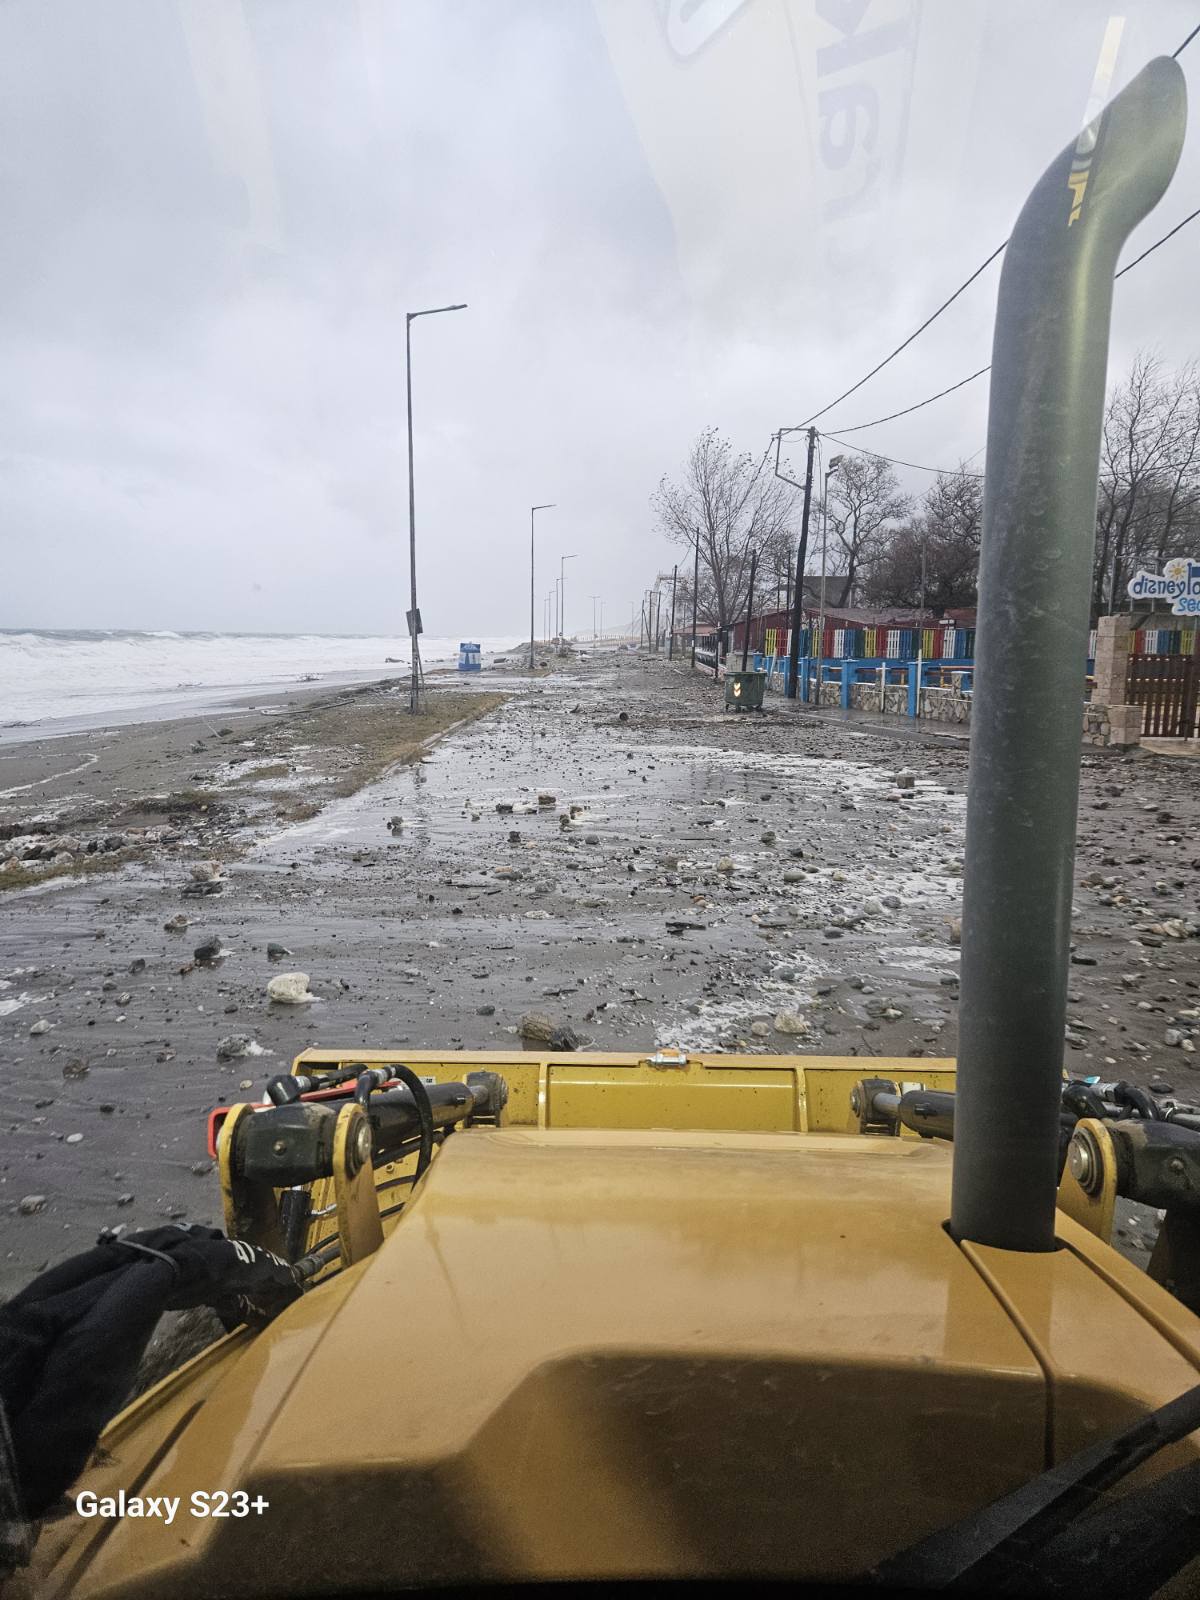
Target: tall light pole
834 463
547 507
562 602
414 616
593 598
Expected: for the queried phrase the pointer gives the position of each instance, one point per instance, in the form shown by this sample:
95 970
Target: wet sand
720 871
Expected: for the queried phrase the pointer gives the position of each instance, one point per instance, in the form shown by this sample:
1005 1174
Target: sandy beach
695 878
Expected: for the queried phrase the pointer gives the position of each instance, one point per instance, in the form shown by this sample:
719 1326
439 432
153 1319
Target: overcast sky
663 214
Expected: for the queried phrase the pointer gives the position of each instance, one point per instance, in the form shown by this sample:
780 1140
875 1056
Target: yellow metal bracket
1087 1190
360 1231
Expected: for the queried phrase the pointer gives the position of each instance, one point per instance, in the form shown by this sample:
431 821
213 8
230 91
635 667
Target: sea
67 680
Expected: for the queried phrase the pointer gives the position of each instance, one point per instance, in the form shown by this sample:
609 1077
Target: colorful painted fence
1163 642
871 644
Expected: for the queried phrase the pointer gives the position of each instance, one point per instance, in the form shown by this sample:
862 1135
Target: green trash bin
744 690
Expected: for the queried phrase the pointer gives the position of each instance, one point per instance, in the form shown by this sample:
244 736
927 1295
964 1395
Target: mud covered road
749 883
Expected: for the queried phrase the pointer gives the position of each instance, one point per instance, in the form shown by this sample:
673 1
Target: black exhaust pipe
1049 357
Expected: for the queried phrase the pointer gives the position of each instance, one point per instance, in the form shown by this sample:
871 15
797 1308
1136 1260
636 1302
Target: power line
904 346
1175 54
948 472
891 417
1149 252
859 427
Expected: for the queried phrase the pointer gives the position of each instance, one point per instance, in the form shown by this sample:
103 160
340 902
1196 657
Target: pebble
237 1045
290 989
210 950
31 1204
276 952
74 1138
40 1027
789 1022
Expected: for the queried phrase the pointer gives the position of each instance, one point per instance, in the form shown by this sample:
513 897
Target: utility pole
749 610
593 598
801 557
834 463
695 597
671 635
547 507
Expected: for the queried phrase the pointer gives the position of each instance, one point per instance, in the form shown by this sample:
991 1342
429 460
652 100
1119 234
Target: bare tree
946 531
1149 501
865 503
732 504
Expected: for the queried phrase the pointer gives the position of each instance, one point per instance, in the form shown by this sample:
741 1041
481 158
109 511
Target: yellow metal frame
685 1295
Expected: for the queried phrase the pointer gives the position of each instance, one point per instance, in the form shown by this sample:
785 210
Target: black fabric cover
71 1341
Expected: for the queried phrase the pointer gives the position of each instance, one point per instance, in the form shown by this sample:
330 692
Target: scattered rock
194 891
39 1027
955 933
31 1204
177 924
535 1027
235 1046
276 952
205 871
74 1138
210 950
290 989
789 1022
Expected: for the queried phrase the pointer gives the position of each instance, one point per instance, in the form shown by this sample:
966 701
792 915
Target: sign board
1179 582
414 623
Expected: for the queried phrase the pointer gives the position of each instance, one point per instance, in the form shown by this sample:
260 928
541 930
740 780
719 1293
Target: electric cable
941 394
949 472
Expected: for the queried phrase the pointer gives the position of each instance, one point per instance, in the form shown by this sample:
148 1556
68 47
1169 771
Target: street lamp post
547 507
414 616
834 463
593 598
562 602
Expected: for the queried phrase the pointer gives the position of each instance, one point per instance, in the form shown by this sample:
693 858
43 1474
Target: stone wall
945 705
1108 720
1112 725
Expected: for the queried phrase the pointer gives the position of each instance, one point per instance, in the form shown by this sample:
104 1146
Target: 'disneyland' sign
1179 582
